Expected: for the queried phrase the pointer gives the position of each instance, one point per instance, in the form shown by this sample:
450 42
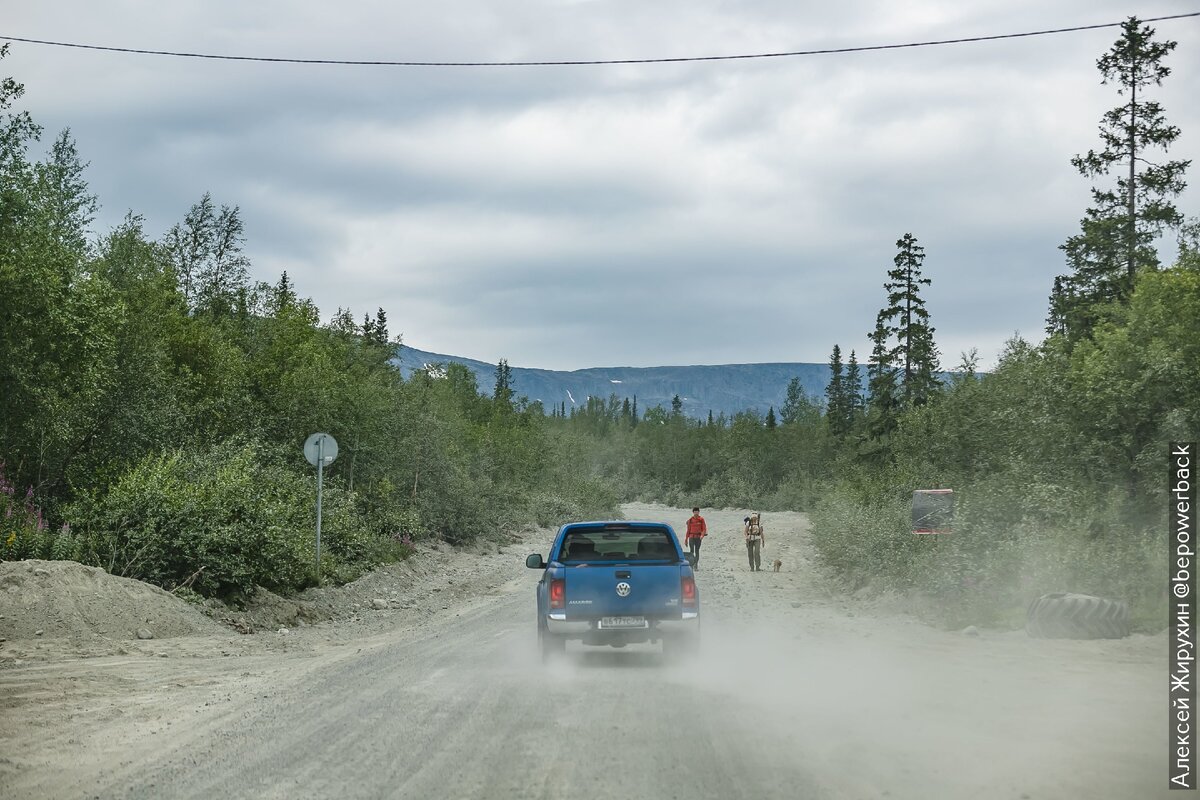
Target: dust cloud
880 704
797 692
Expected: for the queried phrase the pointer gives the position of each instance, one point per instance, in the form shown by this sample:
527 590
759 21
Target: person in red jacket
696 531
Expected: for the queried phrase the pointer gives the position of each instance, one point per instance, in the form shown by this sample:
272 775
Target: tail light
687 589
558 593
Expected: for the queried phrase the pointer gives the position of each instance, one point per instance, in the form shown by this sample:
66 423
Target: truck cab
616 583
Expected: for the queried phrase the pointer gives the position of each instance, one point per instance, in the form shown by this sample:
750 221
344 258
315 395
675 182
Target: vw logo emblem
623 589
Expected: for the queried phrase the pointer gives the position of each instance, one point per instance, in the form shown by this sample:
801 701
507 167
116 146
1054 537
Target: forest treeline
154 399
1057 455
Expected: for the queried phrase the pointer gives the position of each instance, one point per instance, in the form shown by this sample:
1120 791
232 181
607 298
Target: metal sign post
320 481
320 449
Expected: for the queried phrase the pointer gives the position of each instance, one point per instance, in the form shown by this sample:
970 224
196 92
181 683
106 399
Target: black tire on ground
1062 615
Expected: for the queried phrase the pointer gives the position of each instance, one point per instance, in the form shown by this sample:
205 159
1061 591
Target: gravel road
797 693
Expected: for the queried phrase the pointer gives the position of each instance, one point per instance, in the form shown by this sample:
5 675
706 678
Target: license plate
622 622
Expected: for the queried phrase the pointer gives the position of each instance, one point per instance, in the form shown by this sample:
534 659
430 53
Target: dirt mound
64 599
416 582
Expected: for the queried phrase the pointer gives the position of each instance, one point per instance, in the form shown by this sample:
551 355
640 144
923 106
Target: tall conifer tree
1116 237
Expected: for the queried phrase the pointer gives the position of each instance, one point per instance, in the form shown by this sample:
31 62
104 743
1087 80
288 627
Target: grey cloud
706 213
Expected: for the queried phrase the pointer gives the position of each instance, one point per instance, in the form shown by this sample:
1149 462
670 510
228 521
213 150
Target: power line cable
597 62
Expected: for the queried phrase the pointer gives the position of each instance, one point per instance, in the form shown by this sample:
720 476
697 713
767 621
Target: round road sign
320 445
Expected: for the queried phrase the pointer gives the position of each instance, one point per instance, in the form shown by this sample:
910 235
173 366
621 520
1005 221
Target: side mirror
534 561
691 558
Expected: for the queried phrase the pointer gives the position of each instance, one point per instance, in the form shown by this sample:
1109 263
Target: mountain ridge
719 388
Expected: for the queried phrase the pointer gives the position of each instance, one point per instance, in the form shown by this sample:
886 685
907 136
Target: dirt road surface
797 693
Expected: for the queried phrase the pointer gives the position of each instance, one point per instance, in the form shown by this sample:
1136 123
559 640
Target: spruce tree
835 395
853 391
914 355
504 390
283 295
381 328
882 402
1117 233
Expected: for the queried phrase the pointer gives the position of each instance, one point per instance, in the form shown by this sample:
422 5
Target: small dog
776 565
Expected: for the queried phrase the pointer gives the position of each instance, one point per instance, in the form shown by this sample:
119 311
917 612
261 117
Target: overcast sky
567 217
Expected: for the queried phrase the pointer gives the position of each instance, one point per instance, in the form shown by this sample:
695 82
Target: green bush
580 499
798 491
221 520
725 490
1017 539
225 519
860 541
1014 539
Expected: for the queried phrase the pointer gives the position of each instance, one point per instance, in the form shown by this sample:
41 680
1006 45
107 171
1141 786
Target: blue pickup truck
617 583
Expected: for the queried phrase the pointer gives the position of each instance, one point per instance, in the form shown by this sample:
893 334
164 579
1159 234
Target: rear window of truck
602 545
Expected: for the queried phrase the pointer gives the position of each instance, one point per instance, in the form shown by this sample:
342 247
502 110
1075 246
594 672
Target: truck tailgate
601 590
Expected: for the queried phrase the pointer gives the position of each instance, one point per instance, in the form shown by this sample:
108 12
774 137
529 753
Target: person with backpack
696 531
755 539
